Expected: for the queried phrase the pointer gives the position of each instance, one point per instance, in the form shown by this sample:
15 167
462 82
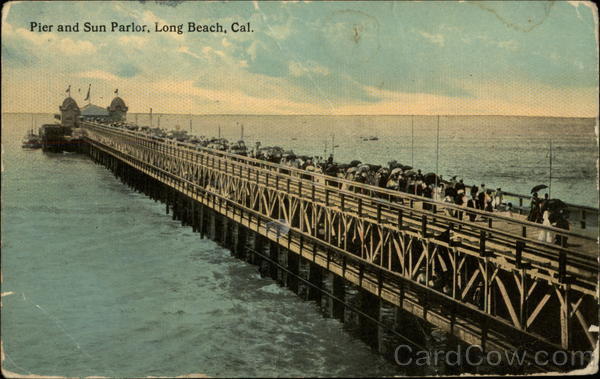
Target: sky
303 57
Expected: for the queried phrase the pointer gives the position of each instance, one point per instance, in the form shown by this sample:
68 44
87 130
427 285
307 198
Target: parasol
430 178
397 170
555 205
538 187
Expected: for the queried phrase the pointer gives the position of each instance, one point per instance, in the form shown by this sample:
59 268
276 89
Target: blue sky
523 58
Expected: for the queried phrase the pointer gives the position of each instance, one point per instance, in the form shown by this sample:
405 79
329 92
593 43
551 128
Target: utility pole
412 140
550 176
332 144
437 151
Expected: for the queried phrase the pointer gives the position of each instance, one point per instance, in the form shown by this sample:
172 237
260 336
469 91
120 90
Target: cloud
149 18
127 71
133 41
71 47
186 50
436 39
208 51
97 74
52 42
19 56
331 56
307 68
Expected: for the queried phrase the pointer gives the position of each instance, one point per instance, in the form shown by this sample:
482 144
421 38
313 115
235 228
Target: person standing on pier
546 235
498 198
453 183
543 204
534 209
428 193
488 201
460 200
472 203
418 183
474 191
481 198
561 223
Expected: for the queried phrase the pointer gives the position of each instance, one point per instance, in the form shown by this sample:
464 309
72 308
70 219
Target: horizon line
332 115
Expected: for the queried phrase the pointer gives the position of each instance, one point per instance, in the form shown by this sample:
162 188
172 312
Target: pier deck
489 282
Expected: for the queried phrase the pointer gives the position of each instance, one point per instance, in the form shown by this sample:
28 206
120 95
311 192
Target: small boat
373 138
32 141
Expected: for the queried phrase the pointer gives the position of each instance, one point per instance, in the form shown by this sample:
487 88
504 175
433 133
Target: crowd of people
394 176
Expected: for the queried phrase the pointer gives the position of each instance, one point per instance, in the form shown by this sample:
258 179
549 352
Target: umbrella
331 170
364 167
538 187
450 192
430 178
376 167
396 171
354 163
407 167
393 164
555 205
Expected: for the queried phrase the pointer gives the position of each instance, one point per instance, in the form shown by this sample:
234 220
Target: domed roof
117 102
68 104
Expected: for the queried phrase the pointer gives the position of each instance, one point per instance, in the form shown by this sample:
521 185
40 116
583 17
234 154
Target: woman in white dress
546 235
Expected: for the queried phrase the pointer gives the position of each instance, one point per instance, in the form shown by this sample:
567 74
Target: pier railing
584 215
411 237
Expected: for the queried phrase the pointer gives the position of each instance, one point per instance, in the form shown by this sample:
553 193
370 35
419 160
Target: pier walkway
490 282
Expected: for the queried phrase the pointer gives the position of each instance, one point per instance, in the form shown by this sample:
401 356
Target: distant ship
372 138
31 141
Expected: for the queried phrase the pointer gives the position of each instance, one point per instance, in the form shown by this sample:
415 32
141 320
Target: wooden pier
490 282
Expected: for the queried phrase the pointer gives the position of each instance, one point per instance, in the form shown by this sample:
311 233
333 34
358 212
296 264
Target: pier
490 283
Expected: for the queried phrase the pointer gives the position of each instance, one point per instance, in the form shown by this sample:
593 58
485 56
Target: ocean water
101 282
104 283
512 153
